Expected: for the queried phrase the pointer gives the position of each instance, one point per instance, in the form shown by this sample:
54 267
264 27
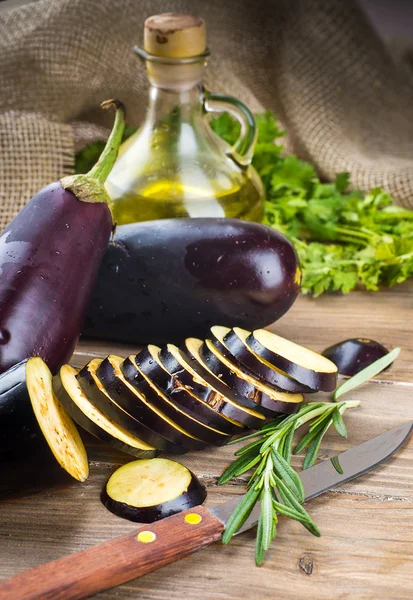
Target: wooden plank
37 527
366 525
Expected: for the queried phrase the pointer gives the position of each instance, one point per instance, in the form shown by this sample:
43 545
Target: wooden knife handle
119 560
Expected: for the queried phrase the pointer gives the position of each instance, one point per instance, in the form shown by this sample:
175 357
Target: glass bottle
175 165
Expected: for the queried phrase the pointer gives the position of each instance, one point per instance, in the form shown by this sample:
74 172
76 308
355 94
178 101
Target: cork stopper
174 35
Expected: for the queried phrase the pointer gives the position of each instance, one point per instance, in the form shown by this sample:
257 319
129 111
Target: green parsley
344 239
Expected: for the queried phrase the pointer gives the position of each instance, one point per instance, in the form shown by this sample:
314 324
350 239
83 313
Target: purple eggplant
163 281
50 255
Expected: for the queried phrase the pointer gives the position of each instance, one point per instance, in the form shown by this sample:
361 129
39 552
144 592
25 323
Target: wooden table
365 551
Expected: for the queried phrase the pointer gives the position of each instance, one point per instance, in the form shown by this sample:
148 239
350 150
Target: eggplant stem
109 154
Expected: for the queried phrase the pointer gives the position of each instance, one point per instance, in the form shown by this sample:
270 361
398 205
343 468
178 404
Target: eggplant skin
353 355
19 431
93 428
194 496
49 258
13 391
182 397
261 401
324 381
235 348
108 404
162 281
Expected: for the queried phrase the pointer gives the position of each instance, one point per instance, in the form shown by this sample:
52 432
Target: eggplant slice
173 404
117 382
154 394
145 491
178 366
114 405
265 399
229 404
85 414
208 388
56 425
235 342
353 355
302 364
180 393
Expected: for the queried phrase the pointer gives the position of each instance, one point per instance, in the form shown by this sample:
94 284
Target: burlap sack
317 63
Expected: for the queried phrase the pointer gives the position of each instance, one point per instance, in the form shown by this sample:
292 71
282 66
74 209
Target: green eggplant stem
108 157
90 187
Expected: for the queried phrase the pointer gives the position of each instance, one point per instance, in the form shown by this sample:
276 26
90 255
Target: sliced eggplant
304 365
85 414
266 396
56 425
354 355
160 400
112 404
229 405
145 491
241 400
149 364
235 342
177 365
228 378
266 400
138 404
181 385
207 387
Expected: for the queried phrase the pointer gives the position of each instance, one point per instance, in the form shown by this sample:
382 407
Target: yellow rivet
193 518
146 537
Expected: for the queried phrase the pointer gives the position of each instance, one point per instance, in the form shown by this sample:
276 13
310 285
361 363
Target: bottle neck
178 75
169 107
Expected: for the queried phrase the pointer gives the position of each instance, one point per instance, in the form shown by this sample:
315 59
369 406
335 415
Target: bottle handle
243 149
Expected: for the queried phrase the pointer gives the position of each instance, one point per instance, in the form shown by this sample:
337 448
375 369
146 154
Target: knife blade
334 472
117 561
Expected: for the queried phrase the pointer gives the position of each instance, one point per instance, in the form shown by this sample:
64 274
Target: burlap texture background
317 63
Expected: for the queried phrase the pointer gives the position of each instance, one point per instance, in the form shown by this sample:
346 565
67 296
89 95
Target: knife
150 547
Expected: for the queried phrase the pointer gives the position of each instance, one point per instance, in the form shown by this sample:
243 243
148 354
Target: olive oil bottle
175 165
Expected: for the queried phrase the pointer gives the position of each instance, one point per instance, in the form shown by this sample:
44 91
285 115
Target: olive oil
175 165
163 199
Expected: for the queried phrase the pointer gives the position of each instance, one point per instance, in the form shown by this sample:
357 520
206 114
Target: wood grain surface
365 551
116 561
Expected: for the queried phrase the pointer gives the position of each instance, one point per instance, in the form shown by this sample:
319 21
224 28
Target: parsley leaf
344 239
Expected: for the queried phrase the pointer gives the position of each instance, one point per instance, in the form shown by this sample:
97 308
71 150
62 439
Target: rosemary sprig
274 482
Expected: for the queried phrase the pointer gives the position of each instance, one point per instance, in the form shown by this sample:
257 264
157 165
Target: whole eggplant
163 281
49 258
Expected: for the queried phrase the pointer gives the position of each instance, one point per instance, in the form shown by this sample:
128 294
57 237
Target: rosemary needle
367 373
274 482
